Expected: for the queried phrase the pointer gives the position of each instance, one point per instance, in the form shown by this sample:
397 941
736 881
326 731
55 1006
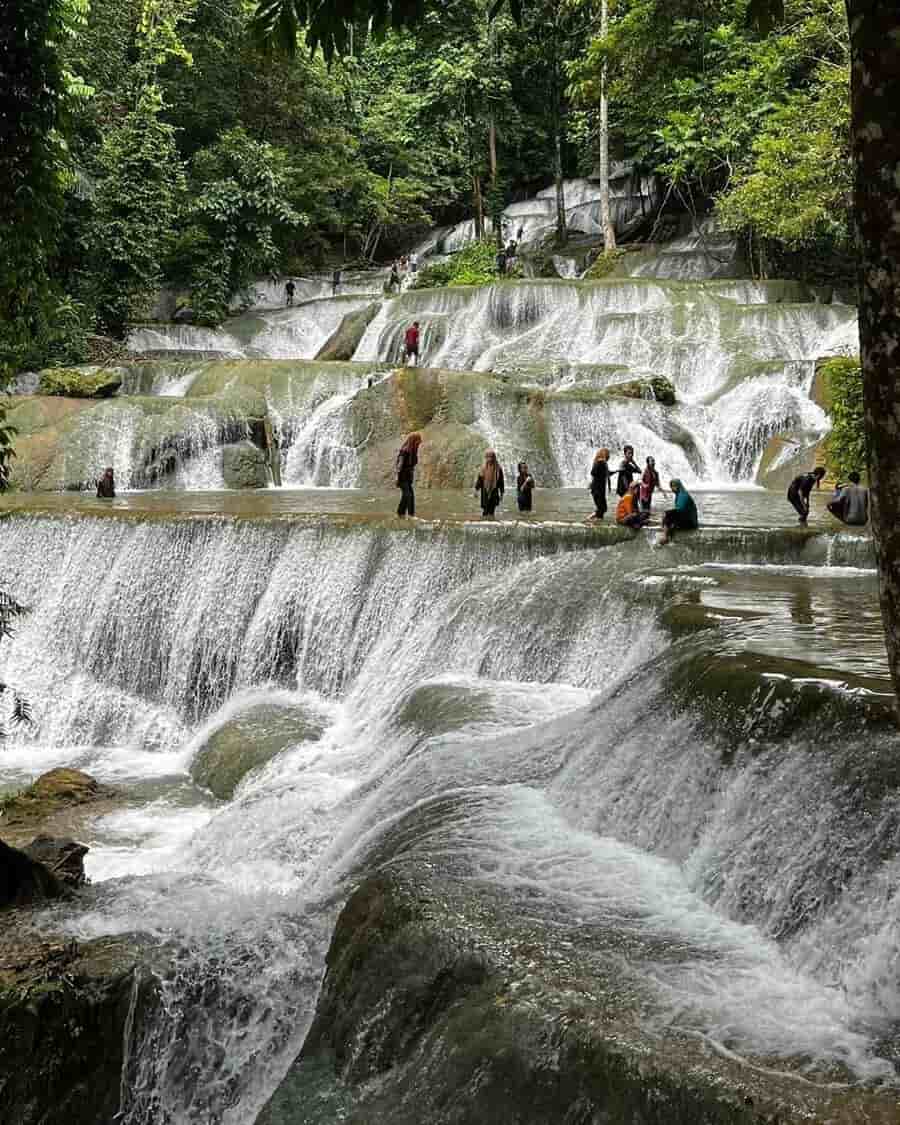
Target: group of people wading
635 495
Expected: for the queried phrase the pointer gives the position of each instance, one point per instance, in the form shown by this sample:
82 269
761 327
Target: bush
847 441
72 383
475 265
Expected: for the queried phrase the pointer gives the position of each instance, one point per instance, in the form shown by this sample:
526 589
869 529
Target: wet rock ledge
441 1006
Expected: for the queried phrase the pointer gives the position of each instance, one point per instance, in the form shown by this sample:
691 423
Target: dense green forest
180 153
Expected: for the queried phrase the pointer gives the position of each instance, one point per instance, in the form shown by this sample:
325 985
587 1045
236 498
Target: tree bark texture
875 136
561 224
609 231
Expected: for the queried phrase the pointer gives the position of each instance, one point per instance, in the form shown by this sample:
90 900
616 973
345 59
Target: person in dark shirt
289 290
799 490
106 485
601 484
524 488
627 470
490 485
335 282
649 484
407 459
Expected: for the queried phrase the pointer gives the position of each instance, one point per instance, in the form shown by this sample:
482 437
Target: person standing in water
649 484
800 489
407 459
628 470
683 517
628 510
411 343
335 281
851 502
601 483
106 485
490 484
289 289
524 487
394 279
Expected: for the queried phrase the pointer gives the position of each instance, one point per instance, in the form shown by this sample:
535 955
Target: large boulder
344 341
23 880
249 741
244 465
63 858
80 382
658 388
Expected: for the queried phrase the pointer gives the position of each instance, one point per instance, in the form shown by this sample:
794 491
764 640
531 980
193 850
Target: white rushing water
483 663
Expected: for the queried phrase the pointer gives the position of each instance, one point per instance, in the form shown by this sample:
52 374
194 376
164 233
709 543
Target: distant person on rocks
335 282
799 490
413 264
106 485
649 484
519 234
601 483
394 279
627 470
407 459
501 262
851 502
628 510
524 487
289 290
490 484
411 344
683 517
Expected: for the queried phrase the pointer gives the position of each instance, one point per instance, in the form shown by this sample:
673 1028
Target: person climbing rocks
524 487
649 484
106 485
627 470
289 290
394 279
683 517
628 510
519 234
407 459
411 343
490 484
601 483
335 281
501 263
413 265
851 502
799 490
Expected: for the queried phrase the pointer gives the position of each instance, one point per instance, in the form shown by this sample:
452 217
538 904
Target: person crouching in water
407 459
628 510
106 485
490 485
799 490
851 502
601 484
524 487
683 517
649 484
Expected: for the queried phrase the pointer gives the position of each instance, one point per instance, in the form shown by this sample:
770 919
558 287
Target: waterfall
534 680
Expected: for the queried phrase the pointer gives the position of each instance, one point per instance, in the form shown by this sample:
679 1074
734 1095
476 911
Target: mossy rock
249 741
244 465
80 382
657 387
605 264
344 341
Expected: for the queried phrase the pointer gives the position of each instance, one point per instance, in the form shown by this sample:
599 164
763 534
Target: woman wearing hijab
407 459
683 517
601 483
649 484
490 484
106 485
524 487
628 510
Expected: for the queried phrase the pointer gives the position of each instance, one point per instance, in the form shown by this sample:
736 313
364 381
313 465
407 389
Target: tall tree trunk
492 152
609 231
479 205
875 135
561 233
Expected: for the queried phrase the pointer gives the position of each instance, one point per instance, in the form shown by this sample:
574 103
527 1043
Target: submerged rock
244 465
249 741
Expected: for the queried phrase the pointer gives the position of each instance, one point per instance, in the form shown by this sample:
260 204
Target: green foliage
475 265
77 384
240 189
138 194
847 450
604 264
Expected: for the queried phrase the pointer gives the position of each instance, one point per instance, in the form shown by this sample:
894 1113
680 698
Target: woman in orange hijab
628 511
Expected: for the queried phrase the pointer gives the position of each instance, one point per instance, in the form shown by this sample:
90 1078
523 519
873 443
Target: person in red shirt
411 343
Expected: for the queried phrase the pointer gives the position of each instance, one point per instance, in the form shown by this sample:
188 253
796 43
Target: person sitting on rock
683 517
851 502
106 485
628 510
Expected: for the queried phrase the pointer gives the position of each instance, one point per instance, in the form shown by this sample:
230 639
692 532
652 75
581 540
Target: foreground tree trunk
609 231
875 129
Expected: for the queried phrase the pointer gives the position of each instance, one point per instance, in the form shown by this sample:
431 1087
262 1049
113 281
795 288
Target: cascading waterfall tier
531 692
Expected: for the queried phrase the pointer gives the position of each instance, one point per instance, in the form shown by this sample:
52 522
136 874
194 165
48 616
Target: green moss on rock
80 382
